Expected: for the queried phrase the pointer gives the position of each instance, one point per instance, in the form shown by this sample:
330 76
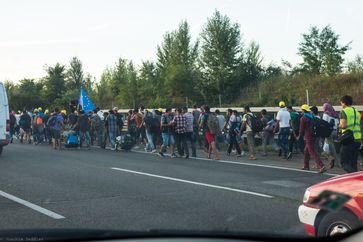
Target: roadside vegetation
218 67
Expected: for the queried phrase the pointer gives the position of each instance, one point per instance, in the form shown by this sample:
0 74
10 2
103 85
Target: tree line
218 66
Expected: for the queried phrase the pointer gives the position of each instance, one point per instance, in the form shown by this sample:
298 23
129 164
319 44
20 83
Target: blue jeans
150 140
283 140
112 136
84 136
191 136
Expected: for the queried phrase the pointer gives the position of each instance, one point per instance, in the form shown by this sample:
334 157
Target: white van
4 118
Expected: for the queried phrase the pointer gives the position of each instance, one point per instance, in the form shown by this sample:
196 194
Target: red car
319 221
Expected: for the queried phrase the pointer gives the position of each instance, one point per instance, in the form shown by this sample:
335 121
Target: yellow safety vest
349 112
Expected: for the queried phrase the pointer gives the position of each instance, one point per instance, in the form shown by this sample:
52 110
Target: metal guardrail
256 109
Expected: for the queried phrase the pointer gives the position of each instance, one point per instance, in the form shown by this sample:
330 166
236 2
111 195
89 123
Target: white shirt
283 117
328 118
100 114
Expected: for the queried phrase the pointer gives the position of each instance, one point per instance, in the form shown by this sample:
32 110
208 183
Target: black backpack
119 120
255 123
321 128
52 121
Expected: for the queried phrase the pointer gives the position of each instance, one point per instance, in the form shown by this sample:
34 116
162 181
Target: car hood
351 184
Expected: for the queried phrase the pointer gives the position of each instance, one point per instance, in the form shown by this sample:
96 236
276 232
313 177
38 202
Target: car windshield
187 116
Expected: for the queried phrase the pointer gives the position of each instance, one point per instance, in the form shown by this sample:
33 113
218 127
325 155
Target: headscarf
329 110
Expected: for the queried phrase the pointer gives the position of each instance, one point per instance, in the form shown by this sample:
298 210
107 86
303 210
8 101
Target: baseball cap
306 107
282 104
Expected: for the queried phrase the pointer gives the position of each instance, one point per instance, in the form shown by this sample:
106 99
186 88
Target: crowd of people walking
182 130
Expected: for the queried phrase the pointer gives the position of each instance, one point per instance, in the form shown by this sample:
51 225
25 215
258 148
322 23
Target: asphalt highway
41 188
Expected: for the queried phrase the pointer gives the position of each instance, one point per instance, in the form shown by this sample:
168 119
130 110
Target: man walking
190 135
293 142
112 128
56 127
306 132
247 125
97 127
167 136
350 122
209 134
267 132
83 126
25 124
234 124
180 123
283 126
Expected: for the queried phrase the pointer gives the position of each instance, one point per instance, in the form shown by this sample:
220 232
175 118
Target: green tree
321 52
220 52
104 97
250 68
148 82
356 66
128 96
55 85
119 79
75 74
176 64
25 95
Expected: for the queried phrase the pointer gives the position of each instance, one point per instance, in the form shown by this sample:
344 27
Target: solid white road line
193 182
249 164
31 205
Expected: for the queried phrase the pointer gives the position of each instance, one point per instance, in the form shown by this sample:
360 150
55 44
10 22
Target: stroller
72 140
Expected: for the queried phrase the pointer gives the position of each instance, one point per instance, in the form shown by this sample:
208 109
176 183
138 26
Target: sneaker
145 149
186 156
113 148
153 151
322 170
289 155
228 154
305 168
161 154
243 153
173 155
280 152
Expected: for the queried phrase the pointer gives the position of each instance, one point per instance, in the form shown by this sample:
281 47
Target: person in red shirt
305 131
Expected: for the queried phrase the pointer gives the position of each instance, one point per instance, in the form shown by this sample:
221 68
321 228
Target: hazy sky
36 33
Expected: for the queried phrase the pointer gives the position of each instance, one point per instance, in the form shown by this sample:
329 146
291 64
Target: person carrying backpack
306 131
332 118
119 121
210 126
234 124
97 128
38 127
268 137
56 123
25 125
150 132
249 123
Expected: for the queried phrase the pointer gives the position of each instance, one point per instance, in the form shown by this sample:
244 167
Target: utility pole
186 101
220 100
307 97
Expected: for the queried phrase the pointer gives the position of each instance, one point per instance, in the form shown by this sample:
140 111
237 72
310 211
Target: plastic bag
326 148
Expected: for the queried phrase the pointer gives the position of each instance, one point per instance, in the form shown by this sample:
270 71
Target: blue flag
85 102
